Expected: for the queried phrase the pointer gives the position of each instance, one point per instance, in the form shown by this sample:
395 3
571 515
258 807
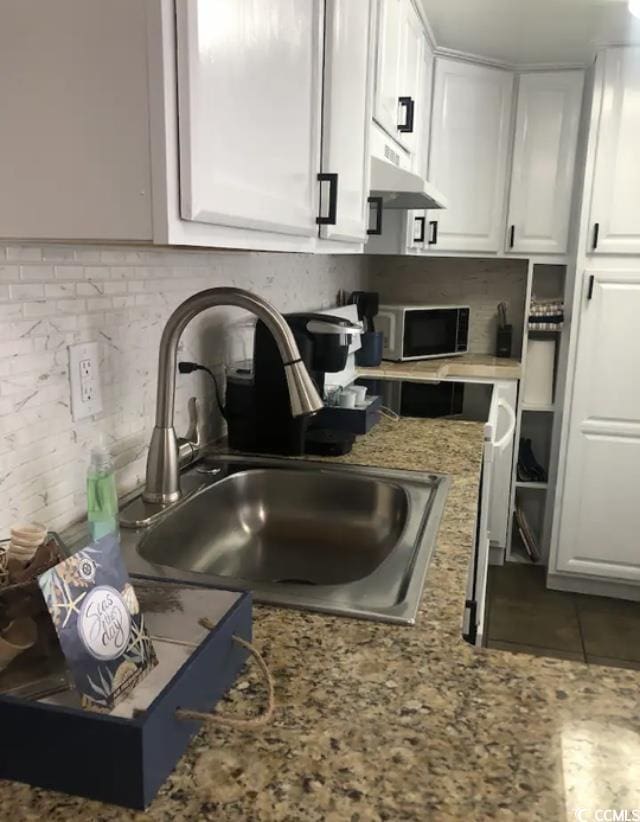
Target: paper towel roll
538 378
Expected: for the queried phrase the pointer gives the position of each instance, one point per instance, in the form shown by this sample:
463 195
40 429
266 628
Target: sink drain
294 581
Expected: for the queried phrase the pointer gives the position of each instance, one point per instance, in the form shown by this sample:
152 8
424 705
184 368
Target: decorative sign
101 630
104 623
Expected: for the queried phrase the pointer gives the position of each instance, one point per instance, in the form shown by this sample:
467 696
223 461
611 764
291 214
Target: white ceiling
531 31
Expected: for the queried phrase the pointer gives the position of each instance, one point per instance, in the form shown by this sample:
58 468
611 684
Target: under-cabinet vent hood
400 188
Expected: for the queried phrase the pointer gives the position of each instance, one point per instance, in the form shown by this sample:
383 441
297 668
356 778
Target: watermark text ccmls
607 815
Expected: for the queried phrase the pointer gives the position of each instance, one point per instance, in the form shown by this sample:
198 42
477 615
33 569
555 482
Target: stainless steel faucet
163 477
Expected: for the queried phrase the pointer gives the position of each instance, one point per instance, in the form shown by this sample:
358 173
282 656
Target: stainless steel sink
343 539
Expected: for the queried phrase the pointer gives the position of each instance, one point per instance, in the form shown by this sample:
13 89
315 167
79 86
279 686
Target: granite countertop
480 366
378 721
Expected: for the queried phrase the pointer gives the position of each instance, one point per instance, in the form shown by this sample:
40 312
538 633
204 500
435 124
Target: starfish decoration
69 604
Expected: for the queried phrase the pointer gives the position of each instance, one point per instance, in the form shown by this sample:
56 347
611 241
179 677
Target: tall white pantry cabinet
596 531
600 522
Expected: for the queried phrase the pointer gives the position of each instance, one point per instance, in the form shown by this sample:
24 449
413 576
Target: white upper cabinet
188 122
249 89
615 205
600 516
411 77
470 131
547 122
388 64
346 117
420 157
74 120
400 72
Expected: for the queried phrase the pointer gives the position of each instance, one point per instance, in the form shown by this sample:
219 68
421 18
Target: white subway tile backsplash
87 255
9 273
38 309
9 310
90 288
98 303
69 272
24 291
58 253
96 272
71 306
52 296
55 290
23 253
36 272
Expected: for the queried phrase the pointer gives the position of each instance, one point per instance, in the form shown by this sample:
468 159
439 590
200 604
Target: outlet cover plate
86 397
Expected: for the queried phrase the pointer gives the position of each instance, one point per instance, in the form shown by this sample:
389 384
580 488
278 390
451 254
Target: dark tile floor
523 615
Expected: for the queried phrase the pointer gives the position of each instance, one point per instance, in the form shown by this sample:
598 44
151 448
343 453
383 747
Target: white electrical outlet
86 399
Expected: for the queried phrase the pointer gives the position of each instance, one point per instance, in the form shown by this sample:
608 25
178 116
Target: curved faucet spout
162 482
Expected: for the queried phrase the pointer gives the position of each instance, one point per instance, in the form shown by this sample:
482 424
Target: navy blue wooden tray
123 761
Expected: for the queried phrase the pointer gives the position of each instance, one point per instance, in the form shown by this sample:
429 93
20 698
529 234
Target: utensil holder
370 353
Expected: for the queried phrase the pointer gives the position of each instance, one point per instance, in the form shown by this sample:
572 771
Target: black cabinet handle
512 236
592 281
332 179
433 232
409 105
376 203
596 232
422 221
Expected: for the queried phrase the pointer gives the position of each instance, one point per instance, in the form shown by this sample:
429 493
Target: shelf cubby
537 422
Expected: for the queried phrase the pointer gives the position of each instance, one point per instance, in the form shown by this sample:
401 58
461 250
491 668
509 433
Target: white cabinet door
388 65
600 515
420 155
615 205
410 76
347 115
249 85
544 154
470 131
503 423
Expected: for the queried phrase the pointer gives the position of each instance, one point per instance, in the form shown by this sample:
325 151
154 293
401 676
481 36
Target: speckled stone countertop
378 721
480 366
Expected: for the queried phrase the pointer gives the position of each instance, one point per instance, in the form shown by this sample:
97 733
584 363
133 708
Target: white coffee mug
360 392
347 398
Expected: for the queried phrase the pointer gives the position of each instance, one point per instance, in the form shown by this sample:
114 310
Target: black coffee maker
258 412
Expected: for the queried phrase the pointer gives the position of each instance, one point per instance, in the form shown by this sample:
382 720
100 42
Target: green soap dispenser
102 498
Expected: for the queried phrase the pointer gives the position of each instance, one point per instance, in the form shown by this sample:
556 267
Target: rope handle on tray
228 721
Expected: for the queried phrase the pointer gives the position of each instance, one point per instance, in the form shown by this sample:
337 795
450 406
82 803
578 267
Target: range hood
400 188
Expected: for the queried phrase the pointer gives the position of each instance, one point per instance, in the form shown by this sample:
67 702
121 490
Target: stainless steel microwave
418 332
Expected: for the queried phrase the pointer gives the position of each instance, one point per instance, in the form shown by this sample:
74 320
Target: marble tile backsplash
480 284
53 296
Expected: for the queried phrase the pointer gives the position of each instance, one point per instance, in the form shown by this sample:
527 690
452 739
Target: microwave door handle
391 317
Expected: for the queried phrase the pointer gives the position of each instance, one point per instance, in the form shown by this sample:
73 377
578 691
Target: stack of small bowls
25 541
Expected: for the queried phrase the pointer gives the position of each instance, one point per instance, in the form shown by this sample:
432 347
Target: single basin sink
283 526
337 538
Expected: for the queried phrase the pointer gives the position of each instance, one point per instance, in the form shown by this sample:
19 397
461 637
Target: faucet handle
193 431
189 445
